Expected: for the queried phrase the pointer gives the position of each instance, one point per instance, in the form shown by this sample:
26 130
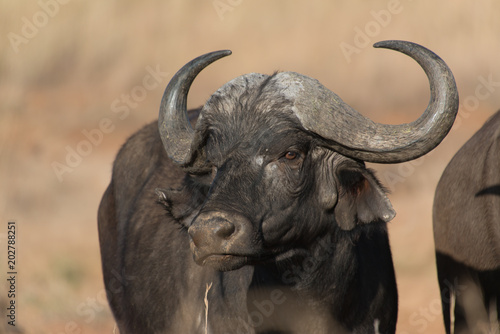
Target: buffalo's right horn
350 133
175 130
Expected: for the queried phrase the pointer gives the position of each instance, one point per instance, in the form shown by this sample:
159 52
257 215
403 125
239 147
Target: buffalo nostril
224 229
211 231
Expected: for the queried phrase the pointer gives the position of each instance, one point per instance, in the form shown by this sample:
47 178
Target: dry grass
65 79
205 300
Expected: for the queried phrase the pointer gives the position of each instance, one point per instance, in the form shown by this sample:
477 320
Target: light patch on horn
290 84
315 106
236 88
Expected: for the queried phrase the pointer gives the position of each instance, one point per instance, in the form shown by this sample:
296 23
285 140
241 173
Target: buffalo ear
361 199
183 201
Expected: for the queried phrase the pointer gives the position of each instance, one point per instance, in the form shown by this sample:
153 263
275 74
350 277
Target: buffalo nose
211 230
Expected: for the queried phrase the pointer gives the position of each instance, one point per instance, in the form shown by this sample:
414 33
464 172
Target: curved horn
353 135
175 130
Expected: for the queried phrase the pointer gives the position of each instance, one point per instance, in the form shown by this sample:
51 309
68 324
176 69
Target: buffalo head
279 159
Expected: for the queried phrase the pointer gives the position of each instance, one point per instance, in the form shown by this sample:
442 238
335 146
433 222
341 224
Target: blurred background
78 77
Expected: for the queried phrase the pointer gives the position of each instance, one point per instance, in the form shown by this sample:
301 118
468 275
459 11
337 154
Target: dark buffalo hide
467 233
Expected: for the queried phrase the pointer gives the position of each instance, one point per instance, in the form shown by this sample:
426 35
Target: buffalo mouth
223 262
228 262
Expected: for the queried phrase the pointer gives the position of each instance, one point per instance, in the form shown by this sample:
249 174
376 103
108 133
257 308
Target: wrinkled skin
467 233
308 251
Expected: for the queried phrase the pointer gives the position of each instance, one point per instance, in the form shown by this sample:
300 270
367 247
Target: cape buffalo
263 217
467 234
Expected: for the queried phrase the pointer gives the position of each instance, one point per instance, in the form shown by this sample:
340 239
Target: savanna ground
70 67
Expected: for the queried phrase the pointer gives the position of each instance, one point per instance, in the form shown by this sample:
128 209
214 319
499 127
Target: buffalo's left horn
175 130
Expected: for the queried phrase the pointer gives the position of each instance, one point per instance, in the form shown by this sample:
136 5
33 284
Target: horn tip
225 52
389 44
219 54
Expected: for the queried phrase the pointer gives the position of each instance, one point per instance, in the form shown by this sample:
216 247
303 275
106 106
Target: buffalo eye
291 155
292 159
